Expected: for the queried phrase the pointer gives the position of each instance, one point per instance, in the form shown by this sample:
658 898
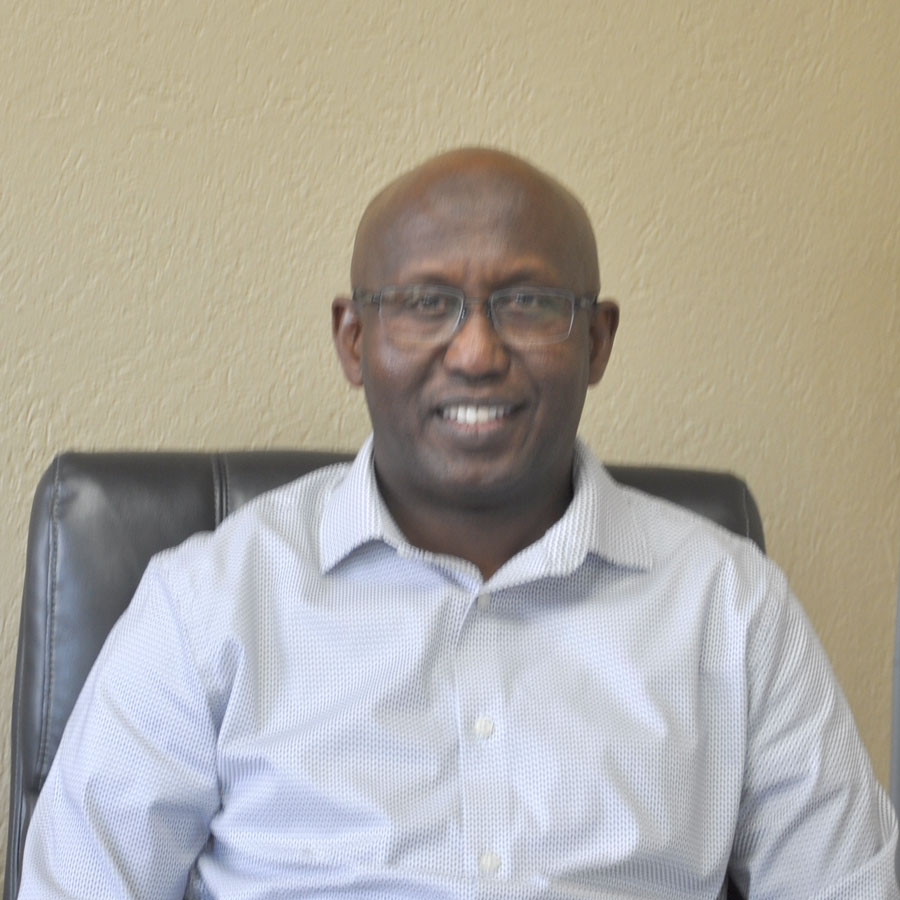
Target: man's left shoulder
677 534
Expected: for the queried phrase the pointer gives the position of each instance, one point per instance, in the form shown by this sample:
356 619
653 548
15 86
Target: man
468 665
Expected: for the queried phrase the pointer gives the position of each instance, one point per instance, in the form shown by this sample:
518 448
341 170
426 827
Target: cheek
391 374
562 381
562 367
381 362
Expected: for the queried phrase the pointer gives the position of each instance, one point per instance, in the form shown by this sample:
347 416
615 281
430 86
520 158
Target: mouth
473 413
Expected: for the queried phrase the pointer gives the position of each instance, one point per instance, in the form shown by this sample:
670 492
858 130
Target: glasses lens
420 314
532 316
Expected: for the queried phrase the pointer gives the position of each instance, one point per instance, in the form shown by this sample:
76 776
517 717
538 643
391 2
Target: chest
450 731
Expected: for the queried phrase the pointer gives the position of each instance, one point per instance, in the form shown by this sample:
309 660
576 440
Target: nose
476 350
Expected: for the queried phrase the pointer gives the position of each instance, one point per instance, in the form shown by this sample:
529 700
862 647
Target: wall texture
180 183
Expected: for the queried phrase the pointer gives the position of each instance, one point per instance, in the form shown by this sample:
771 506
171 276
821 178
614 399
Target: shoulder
672 528
290 512
704 550
278 530
722 576
650 533
226 591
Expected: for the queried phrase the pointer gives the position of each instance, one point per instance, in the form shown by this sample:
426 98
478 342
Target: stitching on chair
216 485
220 488
226 488
50 627
745 508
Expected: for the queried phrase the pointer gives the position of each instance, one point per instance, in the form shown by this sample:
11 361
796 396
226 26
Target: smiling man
468 664
475 403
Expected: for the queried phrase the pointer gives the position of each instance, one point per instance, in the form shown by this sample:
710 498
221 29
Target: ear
604 322
346 332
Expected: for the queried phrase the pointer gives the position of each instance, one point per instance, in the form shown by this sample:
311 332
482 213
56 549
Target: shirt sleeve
128 802
814 822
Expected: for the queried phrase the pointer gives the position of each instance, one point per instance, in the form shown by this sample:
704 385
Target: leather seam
214 473
50 627
220 481
747 503
745 510
226 488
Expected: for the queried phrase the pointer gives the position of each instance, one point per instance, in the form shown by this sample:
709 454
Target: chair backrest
97 519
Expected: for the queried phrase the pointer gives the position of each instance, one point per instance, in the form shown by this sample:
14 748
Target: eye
526 300
531 302
428 302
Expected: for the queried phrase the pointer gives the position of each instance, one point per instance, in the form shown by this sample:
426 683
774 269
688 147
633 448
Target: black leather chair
99 517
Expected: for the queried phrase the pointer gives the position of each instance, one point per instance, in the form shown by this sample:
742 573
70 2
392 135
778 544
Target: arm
814 821
127 804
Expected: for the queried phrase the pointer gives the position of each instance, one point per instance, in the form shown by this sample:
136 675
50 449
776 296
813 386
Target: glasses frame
374 298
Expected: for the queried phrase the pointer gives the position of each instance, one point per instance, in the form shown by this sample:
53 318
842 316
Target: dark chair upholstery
99 517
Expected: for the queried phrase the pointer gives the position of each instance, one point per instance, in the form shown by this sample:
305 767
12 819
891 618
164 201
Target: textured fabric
302 704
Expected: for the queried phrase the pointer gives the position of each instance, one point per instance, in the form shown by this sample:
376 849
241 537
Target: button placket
482 764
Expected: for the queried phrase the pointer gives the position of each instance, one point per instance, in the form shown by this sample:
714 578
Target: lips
474 414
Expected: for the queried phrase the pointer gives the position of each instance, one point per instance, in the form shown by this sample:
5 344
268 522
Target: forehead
478 227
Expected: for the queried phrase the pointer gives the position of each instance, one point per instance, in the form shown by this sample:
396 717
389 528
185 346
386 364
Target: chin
483 489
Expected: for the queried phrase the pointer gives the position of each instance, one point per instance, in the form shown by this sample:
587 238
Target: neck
486 535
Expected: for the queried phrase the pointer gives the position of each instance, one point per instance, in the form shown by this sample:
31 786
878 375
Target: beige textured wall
180 182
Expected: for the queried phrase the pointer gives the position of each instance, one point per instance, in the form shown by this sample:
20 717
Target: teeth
474 415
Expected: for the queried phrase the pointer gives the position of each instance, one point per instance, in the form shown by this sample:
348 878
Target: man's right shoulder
279 523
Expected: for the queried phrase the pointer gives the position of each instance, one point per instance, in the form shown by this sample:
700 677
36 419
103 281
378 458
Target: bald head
465 198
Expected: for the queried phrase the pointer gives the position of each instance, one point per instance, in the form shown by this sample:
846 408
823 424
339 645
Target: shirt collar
354 512
599 520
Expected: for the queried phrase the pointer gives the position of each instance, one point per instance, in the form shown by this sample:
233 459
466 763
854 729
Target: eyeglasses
433 313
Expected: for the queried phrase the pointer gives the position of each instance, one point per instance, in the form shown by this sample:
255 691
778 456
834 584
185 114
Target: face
478 233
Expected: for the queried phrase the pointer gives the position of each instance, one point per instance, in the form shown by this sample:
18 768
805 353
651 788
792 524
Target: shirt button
488 862
484 727
484 602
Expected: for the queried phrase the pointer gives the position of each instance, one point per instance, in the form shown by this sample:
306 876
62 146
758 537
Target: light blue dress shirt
302 704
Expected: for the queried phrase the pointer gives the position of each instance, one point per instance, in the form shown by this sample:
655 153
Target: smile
474 415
